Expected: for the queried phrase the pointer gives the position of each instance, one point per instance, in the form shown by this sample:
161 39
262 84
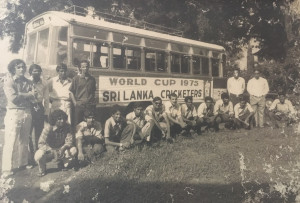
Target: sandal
41 174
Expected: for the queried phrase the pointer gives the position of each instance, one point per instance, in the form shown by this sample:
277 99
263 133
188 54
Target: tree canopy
231 23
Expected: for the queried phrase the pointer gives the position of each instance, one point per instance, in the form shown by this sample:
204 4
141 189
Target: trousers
16 139
258 105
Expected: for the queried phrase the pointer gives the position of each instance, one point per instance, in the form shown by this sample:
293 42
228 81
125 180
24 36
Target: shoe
41 174
29 166
6 174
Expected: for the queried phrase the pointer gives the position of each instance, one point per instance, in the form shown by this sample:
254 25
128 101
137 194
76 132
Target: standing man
39 110
258 87
59 91
235 86
82 92
20 95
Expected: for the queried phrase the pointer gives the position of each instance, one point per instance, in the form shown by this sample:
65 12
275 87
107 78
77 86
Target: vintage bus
131 60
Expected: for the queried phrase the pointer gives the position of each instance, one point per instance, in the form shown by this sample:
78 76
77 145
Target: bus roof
90 21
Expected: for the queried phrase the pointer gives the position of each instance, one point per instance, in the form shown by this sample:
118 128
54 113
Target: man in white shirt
223 110
243 114
59 91
235 86
173 110
282 111
258 87
206 114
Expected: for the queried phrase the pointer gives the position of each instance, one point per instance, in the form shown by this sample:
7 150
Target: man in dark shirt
56 142
82 92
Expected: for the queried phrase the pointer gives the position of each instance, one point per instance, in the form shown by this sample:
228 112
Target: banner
131 89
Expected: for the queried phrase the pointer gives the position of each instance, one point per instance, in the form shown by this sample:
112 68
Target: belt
235 94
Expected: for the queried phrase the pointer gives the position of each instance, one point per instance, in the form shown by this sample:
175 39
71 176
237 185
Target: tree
231 23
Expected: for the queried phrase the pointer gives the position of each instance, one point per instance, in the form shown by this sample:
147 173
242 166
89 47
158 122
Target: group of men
39 117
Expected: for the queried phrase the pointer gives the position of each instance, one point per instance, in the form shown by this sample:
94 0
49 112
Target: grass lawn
261 165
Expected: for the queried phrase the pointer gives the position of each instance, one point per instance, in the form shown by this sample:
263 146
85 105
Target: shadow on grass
109 190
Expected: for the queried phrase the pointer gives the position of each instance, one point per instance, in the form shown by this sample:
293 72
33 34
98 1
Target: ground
261 165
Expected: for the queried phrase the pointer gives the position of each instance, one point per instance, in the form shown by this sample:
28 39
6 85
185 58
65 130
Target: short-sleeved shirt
58 90
286 107
113 130
84 89
150 113
13 87
222 108
188 112
55 138
82 130
139 121
239 112
203 110
173 110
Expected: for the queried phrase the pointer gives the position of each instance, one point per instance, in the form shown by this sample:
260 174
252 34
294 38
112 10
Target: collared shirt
204 111
188 112
82 130
173 110
238 111
58 90
55 138
286 107
139 121
236 86
150 113
258 87
113 129
221 108
13 87
42 95
84 89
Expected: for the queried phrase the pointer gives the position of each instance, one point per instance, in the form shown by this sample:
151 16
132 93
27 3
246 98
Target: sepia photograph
159 101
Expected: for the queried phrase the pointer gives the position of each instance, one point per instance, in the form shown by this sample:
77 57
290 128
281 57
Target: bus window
100 55
150 60
205 66
162 61
196 65
42 47
126 57
81 51
133 58
215 67
185 64
31 48
119 58
175 63
62 45
155 60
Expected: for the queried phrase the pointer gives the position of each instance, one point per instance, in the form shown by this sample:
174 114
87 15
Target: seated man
282 111
223 110
158 125
117 133
56 142
137 117
243 113
205 114
189 114
89 137
173 110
